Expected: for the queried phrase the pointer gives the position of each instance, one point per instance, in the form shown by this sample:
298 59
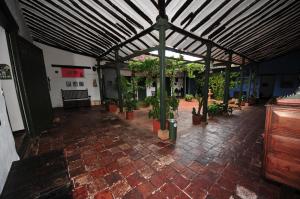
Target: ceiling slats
256 29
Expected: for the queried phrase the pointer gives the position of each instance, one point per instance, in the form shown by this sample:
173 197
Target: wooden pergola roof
253 29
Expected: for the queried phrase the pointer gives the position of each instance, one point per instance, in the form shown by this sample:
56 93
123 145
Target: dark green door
35 86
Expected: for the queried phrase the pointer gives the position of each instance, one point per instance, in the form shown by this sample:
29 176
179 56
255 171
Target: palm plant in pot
197 117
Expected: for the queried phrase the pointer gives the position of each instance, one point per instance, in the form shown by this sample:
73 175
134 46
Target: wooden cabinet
282 142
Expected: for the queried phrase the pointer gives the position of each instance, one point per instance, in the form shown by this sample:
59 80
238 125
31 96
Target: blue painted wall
283 68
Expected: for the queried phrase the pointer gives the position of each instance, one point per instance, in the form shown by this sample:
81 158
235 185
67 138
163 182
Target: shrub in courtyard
188 97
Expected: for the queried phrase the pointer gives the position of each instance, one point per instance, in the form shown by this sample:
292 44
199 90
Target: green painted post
249 83
227 81
119 80
99 73
206 81
162 25
242 81
254 82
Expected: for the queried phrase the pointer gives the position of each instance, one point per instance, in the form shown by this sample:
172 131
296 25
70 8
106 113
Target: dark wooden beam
70 66
137 36
202 40
138 11
217 32
138 53
221 18
210 15
65 22
162 8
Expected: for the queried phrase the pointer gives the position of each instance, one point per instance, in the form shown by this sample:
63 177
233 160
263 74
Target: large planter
196 119
156 125
129 115
112 108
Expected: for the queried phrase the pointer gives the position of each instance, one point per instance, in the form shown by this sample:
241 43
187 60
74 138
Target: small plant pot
242 103
112 108
196 119
129 115
156 125
247 104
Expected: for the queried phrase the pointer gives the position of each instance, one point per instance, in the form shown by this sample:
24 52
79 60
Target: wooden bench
75 98
38 177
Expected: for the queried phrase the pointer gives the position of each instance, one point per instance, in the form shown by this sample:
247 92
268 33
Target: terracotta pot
197 119
129 115
247 104
112 108
242 103
156 125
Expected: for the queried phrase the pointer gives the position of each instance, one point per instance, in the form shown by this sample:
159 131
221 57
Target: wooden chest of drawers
282 143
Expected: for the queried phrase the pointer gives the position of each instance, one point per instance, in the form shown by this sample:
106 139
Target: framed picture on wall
75 84
81 83
5 72
68 83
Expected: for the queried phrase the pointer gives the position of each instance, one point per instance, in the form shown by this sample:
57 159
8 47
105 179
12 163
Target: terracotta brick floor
112 158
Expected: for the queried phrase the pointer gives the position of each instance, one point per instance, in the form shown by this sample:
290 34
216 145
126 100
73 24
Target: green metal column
206 81
119 80
254 82
242 81
249 83
99 72
227 81
162 24
184 84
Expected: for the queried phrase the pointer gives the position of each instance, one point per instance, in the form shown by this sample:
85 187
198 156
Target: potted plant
154 113
243 100
215 109
130 106
111 105
197 117
130 103
188 97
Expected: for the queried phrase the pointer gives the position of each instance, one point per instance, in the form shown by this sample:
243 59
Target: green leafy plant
173 104
128 92
200 102
217 109
149 67
154 113
217 82
188 97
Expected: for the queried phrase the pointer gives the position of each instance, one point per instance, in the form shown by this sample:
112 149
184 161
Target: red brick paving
111 158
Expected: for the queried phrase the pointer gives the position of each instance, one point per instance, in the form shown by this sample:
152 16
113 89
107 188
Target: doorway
267 86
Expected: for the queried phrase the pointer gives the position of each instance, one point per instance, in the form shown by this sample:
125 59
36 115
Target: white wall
9 88
61 57
8 152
